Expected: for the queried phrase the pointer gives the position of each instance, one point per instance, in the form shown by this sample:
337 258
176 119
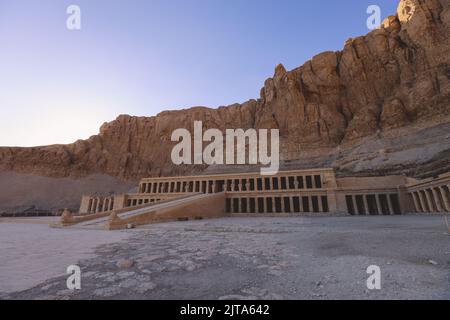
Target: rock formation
394 82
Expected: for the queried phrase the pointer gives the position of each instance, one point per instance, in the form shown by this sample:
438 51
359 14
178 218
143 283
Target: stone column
391 208
232 185
313 182
257 205
422 201
310 204
240 185
265 204
319 201
416 202
106 204
296 183
429 201
379 208
95 205
291 204
248 205
366 205
355 205
239 205
283 206
437 200
446 199
91 201
99 205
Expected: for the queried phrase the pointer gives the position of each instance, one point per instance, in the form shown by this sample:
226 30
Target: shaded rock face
397 76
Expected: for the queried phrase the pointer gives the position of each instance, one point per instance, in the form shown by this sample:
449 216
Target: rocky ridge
381 105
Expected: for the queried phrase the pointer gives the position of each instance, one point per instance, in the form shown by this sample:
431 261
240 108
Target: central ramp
198 206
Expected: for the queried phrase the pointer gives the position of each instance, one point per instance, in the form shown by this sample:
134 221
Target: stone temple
289 193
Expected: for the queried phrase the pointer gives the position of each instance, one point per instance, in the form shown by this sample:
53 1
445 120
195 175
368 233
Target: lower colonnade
316 191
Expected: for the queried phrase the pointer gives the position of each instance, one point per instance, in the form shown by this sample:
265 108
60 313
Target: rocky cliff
381 105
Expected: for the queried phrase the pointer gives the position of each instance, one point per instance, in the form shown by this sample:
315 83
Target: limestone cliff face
395 77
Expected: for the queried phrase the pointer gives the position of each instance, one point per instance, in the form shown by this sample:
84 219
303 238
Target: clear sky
140 57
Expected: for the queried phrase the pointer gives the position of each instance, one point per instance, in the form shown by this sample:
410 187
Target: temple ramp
198 206
96 219
202 206
135 211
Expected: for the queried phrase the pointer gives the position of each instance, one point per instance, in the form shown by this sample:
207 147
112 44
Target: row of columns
231 185
202 186
138 202
378 204
244 204
433 199
100 204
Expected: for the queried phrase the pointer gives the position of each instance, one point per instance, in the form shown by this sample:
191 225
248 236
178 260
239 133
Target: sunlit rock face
394 78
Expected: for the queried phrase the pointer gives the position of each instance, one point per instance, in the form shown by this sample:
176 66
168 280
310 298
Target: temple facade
315 191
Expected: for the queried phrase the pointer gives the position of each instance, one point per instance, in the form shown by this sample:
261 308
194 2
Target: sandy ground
32 252
232 258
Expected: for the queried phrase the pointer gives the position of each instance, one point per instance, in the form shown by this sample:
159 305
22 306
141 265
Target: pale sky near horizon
141 57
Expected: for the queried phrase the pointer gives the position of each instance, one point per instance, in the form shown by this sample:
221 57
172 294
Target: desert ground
230 258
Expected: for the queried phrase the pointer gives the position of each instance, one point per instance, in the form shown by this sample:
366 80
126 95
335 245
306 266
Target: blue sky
141 57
